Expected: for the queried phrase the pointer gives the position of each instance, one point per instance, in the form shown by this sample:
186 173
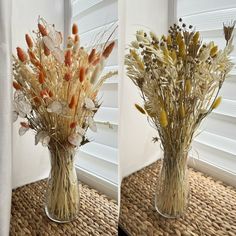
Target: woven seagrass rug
211 211
98 215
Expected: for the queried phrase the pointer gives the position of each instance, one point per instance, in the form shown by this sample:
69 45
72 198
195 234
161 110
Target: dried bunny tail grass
28 41
75 29
42 30
140 109
21 55
216 103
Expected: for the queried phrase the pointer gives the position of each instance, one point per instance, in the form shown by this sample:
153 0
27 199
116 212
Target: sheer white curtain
5 116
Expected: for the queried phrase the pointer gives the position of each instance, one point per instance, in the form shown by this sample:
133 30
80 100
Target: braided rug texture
98 215
211 210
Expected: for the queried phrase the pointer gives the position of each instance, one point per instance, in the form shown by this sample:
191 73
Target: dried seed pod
182 111
73 125
173 55
28 41
42 30
72 102
196 38
108 50
76 39
16 85
67 76
140 109
81 74
68 58
92 55
41 77
188 86
75 29
163 119
21 55
213 51
216 103
182 50
169 40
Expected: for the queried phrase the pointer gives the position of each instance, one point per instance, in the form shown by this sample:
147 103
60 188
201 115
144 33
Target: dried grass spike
81 74
72 102
140 109
67 76
28 41
41 77
21 55
16 85
42 30
75 29
216 103
163 119
108 50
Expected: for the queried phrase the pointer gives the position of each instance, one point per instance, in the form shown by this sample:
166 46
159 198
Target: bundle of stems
56 96
179 78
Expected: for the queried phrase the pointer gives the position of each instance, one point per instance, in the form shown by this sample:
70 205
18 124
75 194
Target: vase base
166 215
57 220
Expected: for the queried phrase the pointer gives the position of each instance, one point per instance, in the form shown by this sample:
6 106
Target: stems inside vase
62 199
172 190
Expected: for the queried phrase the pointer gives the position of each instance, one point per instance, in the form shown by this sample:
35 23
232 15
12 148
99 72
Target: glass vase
62 194
172 191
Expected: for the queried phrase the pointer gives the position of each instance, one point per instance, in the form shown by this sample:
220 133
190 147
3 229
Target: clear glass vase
62 194
172 191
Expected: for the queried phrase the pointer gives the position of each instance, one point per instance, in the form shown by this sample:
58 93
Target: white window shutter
216 143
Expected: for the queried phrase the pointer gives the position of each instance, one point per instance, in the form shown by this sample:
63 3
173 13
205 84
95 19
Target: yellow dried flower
169 41
179 38
182 111
140 109
213 51
196 38
137 59
173 55
182 51
216 103
163 119
188 86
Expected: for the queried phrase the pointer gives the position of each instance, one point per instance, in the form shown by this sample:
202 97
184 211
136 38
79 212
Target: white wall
136 148
31 162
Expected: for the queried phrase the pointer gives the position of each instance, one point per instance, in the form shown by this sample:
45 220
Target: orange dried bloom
95 62
68 59
92 55
16 86
41 77
42 30
50 93
31 56
67 76
76 39
74 29
46 93
73 125
24 124
21 55
28 41
81 74
46 50
37 100
72 102
108 49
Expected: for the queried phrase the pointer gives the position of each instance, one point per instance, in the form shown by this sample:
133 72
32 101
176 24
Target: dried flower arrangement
179 77
56 95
